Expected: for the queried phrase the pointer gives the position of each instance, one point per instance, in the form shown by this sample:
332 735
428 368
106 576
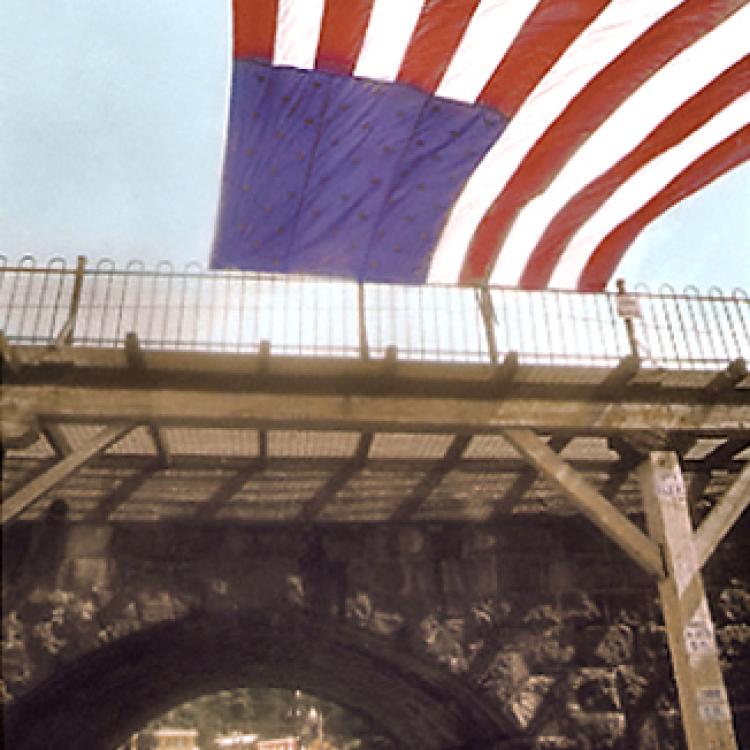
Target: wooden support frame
706 714
432 478
373 412
55 436
311 510
33 490
722 517
593 505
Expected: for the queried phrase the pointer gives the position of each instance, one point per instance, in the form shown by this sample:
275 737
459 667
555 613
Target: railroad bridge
483 518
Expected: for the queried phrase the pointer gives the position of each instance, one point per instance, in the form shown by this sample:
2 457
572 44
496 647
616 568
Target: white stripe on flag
643 185
613 30
489 35
298 25
623 130
389 32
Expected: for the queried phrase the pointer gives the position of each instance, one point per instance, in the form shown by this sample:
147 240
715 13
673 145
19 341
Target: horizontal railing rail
233 311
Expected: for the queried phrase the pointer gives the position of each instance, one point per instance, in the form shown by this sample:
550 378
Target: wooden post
364 347
488 318
706 715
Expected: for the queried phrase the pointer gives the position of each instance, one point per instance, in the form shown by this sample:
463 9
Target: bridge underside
119 437
154 435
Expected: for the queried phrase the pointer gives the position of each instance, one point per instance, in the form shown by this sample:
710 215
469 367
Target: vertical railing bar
40 306
364 347
106 301
658 336
699 344
25 304
745 327
488 318
62 273
598 300
170 273
241 321
713 344
670 328
720 299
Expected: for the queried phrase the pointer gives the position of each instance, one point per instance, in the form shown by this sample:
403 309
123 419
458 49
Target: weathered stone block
599 731
88 540
616 645
595 689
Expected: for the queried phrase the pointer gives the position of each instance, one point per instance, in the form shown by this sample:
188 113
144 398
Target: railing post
628 308
364 347
488 318
65 337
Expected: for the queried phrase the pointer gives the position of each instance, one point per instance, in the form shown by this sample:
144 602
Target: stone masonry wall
546 619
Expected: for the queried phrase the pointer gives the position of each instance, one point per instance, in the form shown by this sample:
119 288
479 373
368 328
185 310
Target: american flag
518 142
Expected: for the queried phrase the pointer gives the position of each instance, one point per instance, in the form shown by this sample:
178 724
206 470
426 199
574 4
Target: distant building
284 743
236 741
175 739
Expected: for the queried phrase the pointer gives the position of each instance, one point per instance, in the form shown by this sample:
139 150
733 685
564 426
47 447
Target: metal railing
231 311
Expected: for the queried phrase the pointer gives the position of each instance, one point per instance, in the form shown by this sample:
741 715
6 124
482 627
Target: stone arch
97 701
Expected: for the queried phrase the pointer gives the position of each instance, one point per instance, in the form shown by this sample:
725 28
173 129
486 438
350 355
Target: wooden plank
312 509
227 490
524 481
121 494
705 711
366 413
8 356
56 438
722 517
26 495
618 379
160 445
432 479
726 380
593 505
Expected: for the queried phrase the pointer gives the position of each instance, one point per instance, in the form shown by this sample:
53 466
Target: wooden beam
618 379
365 413
514 494
505 372
26 495
705 711
722 517
324 494
726 380
596 507
133 351
432 479
160 445
56 438
725 452
8 356
524 482
227 490
121 494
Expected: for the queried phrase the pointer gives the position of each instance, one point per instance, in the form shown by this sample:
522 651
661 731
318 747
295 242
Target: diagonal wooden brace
722 517
592 504
33 490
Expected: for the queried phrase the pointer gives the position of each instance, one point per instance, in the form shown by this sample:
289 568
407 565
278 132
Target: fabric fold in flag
439 141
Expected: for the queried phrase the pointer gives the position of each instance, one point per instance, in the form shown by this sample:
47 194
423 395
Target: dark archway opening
100 700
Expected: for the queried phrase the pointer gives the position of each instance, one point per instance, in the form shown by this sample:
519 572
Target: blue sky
111 139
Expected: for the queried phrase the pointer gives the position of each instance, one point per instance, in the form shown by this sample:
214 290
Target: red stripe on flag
589 109
693 114
547 33
603 262
342 33
438 32
254 28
